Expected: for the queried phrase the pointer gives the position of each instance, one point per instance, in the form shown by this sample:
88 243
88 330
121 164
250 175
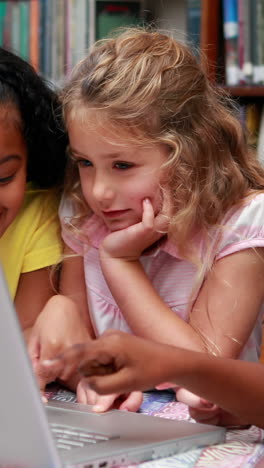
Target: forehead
10 115
104 122
12 141
88 137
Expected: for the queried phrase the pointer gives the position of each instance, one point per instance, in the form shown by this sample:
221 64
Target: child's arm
58 326
63 321
33 291
224 313
118 362
72 285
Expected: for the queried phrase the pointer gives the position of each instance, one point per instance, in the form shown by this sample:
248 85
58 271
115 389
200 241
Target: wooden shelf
245 91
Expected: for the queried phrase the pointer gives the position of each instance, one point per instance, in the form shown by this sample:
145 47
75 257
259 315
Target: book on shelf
258 77
112 15
230 29
33 37
193 23
24 23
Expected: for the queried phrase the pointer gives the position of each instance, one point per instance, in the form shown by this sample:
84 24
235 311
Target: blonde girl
164 202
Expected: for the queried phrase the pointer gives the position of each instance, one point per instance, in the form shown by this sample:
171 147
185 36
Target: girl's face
116 176
13 161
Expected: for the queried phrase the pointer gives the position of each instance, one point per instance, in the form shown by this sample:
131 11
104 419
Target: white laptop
33 435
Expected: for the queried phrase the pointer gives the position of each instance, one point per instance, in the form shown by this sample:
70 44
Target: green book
3 10
24 29
112 15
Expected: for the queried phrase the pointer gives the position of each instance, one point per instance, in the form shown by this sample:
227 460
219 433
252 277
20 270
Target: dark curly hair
41 120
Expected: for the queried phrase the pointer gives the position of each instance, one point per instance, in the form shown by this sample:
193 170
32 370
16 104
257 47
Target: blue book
230 28
230 14
193 14
45 37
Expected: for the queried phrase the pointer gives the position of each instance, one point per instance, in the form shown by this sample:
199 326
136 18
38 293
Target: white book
78 30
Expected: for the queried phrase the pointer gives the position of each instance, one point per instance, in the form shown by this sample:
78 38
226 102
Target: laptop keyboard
68 437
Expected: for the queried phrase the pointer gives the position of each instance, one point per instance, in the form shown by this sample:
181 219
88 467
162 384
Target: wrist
105 255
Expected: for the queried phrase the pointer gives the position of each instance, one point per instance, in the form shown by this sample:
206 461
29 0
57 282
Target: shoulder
243 227
40 201
38 212
251 210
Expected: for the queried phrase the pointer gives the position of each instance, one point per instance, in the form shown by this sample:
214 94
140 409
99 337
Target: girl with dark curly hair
32 163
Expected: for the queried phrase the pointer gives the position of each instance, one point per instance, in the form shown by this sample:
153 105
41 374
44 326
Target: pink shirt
172 276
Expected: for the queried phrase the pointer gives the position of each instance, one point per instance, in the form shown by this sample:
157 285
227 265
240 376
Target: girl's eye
83 162
6 180
123 165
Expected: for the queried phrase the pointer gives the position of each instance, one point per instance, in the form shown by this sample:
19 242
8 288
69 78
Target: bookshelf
248 92
213 47
55 34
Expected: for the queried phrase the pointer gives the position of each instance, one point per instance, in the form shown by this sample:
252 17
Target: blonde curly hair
154 88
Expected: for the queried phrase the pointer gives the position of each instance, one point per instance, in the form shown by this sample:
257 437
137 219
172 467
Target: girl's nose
102 190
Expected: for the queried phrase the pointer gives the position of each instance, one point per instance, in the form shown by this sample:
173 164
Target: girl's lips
114 214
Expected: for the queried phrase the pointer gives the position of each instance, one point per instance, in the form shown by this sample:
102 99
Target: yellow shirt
32 241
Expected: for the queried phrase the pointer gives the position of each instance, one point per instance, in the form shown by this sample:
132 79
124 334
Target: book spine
67 47
7 39
81 29
193 14
241 40
259 69
34 21
73 32
15 27
230 10
254 40
60 35
3 11
24 29
53 41
248 64
46 37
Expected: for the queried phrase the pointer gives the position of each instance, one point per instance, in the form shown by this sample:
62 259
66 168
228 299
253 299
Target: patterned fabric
172 276
242 449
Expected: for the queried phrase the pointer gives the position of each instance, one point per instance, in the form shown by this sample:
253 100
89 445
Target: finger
33 347
148 214
44 398
85 394
205 413
166 385
103 364
132 402
104 403
43 375
206 417
190 399
119 382
67 363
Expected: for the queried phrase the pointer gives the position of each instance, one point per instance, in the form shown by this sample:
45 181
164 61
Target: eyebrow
108 155
10 157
